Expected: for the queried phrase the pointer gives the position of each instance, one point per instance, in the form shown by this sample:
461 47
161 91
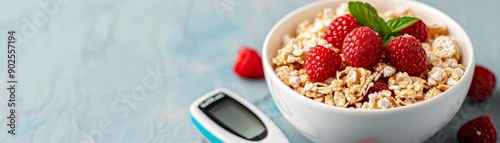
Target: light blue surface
127 71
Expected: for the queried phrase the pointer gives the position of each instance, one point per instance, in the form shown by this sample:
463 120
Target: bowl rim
468 72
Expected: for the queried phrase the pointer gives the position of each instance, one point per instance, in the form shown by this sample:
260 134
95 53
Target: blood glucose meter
223 116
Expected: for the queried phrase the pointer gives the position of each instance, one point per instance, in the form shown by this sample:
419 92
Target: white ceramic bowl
324 123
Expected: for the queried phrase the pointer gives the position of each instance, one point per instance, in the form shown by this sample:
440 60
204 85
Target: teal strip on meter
222 116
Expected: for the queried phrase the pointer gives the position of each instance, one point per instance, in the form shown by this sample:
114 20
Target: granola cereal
348 87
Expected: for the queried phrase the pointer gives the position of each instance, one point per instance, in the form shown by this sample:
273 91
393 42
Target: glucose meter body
223 116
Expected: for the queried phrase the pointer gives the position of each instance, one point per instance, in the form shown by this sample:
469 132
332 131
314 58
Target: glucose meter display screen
237 118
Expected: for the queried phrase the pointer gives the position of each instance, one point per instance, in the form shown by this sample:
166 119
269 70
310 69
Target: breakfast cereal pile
351 82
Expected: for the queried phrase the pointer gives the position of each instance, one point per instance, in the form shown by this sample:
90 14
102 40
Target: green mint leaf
401 23
381 27
366 15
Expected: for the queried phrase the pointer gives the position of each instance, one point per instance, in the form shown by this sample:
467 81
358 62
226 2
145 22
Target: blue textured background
138 65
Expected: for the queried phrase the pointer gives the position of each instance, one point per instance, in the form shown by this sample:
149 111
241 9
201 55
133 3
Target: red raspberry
377 87
362 48
483 83
339 28
419 30
248 64
322 63
406 54
478 130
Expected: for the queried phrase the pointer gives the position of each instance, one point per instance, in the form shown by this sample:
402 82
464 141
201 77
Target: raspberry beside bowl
324 123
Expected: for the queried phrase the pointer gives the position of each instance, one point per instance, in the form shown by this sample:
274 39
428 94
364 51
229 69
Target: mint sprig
401 23
366 15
